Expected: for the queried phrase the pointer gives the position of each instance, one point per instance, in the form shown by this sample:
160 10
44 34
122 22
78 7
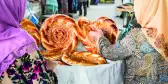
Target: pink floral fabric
28 69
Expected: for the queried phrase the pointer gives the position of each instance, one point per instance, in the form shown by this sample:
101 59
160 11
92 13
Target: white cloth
118 2
111 73
126 1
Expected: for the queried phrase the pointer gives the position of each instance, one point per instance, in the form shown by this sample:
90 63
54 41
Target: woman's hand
51 65
95 35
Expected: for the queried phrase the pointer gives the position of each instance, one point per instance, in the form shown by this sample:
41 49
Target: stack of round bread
59 38
31 29
59 35
75 58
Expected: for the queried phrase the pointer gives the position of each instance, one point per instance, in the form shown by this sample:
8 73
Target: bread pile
108 27
75 58
60 35
31 29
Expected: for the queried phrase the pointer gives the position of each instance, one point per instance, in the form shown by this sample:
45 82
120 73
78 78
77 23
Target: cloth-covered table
111 73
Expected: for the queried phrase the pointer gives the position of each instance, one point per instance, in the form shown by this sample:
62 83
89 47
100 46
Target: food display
75 58
31 29
58 34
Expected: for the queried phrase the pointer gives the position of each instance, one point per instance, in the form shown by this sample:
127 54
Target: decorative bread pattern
53 56
58 33
83 58
108 26
31 29
83 34
59 37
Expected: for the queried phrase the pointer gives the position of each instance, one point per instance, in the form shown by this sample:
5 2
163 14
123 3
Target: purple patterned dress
28 69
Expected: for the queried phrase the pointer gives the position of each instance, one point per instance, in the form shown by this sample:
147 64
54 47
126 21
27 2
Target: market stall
127 12
60 35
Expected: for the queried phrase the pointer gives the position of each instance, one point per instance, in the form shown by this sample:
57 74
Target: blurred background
121 11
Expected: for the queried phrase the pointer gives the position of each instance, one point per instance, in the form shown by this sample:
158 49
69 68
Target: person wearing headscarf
20 60
144 50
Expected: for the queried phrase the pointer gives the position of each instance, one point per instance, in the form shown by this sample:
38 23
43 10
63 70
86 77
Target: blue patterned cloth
146 48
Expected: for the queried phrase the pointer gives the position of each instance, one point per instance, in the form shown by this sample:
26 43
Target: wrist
98 42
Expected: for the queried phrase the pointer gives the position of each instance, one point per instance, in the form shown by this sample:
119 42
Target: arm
117 51
112 52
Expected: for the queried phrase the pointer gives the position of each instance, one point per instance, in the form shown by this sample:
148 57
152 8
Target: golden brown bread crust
50 55
85 26
58 33
83 58
83 34
62 63
70 61
108 26
31 29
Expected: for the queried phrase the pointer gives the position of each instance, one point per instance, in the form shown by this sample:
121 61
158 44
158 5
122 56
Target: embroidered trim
152 32
166 49
159 39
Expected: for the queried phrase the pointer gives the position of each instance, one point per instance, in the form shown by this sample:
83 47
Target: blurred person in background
43 4
84 4
20 59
